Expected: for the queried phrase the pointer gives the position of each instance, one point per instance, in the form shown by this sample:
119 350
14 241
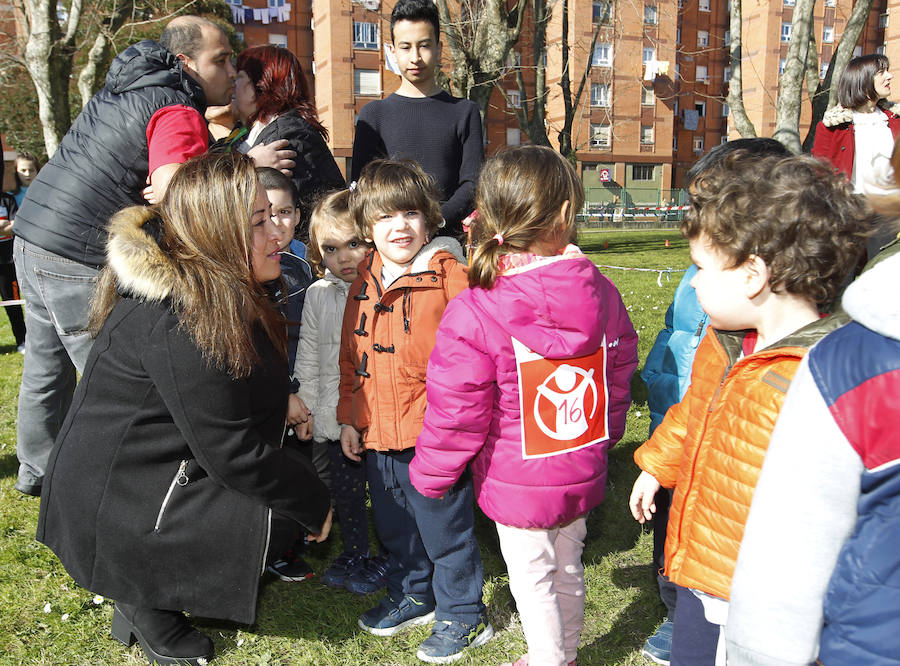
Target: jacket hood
423 258
338 282
838 115
147 64
140 266
551 308
871 299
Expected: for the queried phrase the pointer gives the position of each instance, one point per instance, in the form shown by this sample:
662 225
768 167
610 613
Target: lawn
46 619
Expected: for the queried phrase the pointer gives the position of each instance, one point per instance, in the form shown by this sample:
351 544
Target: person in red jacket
856 137
774 239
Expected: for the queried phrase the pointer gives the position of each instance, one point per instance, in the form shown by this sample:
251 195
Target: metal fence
632 208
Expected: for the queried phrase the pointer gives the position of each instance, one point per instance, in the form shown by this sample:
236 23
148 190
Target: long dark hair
857 84
279 83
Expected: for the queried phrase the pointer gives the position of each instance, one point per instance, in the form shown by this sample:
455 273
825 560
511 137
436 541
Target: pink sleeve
174 135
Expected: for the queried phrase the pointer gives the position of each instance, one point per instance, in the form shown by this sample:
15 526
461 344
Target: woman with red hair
272 101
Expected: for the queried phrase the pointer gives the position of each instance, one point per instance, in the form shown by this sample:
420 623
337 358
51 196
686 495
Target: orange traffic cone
667 242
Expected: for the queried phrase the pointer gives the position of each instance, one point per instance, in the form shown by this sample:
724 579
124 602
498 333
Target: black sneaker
343 566
391 616
370 577
291 569
449 639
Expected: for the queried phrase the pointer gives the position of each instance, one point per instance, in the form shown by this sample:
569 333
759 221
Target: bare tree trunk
839 59
735 97
48 57
570 103
89 78
532 111
790 88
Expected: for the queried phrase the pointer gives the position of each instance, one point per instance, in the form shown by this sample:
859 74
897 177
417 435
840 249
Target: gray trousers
57 293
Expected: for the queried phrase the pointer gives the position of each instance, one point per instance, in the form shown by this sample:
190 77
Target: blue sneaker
658 647
391 617
449 639
343 566
370 577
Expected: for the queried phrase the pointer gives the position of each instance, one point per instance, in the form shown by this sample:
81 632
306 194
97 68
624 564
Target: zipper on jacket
180 479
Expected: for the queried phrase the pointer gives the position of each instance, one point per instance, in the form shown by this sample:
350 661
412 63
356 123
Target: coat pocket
180 479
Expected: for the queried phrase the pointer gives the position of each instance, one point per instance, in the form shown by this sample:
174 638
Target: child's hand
350 443
297 412
303 430
326 528
642 494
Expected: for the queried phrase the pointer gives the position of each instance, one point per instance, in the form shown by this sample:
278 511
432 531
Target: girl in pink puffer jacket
529 382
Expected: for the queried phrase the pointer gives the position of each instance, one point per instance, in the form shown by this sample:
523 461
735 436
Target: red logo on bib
563 402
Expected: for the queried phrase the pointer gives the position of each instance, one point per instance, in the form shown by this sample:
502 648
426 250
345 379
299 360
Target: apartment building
655 98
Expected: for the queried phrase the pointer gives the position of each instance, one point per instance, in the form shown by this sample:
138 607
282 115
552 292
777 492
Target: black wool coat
162 483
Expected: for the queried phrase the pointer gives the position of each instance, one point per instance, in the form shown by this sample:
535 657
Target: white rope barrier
659 271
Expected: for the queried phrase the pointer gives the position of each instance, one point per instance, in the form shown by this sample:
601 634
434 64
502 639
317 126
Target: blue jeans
57 293
433 554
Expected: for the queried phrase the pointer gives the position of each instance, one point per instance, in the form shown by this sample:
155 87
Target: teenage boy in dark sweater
421 121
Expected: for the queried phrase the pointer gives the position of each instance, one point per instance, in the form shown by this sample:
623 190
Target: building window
702 38
823 70
828 34
702 74
674 143
789 3
646 135
726 110
781 64
703 5
514 59
513 136
830 3
599 136
675 107
365 35
677 71
726 74
883 20
786 32
649 54
651 16
602 11
698 144
724 139
857 52
642 171
600 94
700 108
880 49
648 97
603 55
367 82
728 38
513 99
278 40
678 35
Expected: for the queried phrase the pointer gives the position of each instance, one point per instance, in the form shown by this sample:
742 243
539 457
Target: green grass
307 623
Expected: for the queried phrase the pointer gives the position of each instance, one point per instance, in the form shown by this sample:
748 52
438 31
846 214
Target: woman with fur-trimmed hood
167 487
857 136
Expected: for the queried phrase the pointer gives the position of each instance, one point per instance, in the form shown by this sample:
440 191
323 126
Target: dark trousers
433 554
348 492
694 638
662 499
9 292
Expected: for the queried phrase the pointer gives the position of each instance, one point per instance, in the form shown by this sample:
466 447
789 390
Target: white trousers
546 578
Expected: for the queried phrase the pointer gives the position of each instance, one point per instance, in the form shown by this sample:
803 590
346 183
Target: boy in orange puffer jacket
774 238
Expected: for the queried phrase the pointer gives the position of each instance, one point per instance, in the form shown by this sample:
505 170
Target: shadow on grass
630 243
9 464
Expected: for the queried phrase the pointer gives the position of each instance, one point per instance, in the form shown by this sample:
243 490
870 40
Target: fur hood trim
441 243
140 266
838 115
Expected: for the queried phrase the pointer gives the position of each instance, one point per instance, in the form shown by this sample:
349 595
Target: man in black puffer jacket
138 129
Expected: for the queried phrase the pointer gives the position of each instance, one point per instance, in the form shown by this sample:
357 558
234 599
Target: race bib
563 402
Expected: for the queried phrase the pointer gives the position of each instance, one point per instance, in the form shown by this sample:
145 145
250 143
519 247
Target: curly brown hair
794 213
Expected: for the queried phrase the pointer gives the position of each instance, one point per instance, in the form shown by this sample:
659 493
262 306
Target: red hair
279 83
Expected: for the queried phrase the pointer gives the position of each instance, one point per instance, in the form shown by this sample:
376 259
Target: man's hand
641 502
350 443
275 155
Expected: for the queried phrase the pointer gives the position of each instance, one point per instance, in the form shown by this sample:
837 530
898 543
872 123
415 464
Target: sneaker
345 564
391 617
291 569
370 577
448 640
658 647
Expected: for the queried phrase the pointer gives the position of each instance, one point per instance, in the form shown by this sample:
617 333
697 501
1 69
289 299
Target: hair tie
352 186
498 238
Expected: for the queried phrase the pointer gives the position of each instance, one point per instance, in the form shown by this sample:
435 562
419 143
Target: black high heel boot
165 636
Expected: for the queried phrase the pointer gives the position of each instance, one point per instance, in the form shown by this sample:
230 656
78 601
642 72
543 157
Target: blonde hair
332 213
202 227
519 196
386 186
